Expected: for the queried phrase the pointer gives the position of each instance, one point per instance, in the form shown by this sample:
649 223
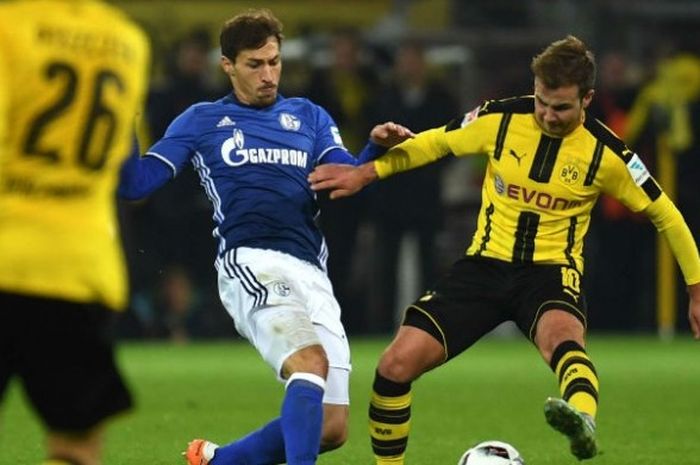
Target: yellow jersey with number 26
73 77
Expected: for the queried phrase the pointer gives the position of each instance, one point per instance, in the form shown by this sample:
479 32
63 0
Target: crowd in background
391 242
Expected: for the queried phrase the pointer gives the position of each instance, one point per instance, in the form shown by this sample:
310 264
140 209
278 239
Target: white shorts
282 304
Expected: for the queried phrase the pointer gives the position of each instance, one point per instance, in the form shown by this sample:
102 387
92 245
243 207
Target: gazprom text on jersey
266 155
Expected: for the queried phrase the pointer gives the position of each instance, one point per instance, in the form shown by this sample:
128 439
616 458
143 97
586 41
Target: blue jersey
253 164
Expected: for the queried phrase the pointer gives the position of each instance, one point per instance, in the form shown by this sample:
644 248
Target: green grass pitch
648 413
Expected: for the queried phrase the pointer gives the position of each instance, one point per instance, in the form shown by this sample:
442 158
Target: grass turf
648 411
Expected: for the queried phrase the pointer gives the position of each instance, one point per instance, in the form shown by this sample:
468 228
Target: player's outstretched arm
670 223
694 309
140 176
382 137
342 180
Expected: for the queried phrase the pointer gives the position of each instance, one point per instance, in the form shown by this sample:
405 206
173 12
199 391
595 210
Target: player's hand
389 134
694 309
342 180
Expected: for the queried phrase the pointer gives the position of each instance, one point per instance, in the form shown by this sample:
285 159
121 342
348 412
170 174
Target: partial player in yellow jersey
547 164
73 78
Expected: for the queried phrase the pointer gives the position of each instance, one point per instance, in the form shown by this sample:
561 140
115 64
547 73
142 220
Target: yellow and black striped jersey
538 190
74 77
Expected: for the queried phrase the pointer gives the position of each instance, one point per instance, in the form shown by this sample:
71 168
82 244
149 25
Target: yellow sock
578 380
389 420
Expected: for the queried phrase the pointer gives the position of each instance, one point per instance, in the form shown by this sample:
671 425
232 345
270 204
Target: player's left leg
335 426
560 340
293 437
332 425
552 312
336 399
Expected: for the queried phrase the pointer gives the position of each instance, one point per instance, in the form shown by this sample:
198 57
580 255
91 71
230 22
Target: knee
308 360
397 367
556 327
333 439
318 365
334 434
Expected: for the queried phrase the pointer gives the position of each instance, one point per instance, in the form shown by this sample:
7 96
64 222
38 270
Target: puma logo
517 157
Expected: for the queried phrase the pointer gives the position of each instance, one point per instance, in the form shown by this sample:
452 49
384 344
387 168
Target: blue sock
264 447
302 418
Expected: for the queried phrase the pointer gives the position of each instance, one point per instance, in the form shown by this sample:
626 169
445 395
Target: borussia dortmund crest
569 174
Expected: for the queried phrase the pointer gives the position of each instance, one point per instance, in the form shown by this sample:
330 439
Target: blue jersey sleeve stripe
164 160
209 186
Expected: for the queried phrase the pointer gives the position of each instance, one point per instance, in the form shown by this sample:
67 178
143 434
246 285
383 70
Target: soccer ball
491 453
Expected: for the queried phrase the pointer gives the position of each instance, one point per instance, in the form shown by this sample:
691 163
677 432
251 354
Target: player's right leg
412 353
336 400
464 305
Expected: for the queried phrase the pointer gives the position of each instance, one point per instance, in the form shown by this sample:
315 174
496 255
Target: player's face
255 75
559 111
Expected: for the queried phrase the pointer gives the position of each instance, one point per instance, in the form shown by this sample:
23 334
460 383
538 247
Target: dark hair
249 30
566 62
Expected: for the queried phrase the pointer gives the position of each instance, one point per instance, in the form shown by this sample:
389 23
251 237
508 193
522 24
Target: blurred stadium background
474 50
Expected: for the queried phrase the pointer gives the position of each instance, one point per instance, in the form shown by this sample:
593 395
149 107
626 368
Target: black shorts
477 294
63 354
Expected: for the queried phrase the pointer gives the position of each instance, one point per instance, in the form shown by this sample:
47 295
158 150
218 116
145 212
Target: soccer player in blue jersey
254 150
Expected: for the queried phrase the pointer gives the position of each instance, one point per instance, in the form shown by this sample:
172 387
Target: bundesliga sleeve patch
637 170
336 136
471 116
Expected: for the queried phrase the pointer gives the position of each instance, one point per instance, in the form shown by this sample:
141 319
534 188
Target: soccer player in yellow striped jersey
74 75
547 164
